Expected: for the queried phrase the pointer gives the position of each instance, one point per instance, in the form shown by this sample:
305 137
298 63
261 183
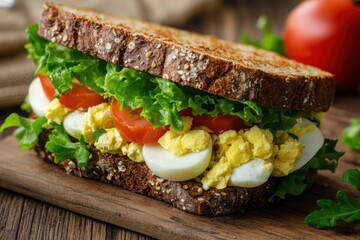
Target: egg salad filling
231 153
181 133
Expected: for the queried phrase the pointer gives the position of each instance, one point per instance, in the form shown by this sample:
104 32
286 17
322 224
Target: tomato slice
133 127
47 87
220 123
217 124
79 97
187 112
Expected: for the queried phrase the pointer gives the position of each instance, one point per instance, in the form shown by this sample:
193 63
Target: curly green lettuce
27 131
60 144
63 148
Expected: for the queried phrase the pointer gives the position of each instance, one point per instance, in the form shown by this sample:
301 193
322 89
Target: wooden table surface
22 217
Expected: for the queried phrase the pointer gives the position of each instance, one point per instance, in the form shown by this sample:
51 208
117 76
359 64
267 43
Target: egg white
73 123
312 142
37 98
176 168
251 174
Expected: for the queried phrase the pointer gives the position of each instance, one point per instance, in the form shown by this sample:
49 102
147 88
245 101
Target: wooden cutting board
24 173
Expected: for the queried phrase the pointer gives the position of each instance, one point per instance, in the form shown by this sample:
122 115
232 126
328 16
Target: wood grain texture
26 218
23 172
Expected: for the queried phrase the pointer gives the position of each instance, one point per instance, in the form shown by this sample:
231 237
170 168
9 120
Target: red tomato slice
220 123
186 112
47 87
79 97
133 127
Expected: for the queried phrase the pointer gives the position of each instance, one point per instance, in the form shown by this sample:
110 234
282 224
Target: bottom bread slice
188 195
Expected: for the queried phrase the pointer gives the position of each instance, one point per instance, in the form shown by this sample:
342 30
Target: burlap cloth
16 71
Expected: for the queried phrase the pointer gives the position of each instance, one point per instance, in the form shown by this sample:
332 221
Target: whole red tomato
326 34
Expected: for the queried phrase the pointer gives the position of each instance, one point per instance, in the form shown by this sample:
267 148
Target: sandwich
208 126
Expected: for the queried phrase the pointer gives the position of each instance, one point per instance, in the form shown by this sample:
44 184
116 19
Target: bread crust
188 195
226 69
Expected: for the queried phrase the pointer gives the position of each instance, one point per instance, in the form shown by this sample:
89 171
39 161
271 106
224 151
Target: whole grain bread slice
189 196
223 68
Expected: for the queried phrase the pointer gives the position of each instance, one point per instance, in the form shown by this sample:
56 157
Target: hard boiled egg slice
73 123
312 142
176 168
37 98
251 174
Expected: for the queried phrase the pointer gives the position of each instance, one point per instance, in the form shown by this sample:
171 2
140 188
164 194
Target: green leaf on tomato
63 148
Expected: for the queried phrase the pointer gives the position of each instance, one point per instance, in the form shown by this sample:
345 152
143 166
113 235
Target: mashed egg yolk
236 149
110 141
186 141
231 149
133 151
289 150
55 112
95 118
286 156
99 116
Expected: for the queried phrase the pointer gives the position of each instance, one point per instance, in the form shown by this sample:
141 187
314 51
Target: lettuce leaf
291 185
160 100
325 159
59 142
36 45
28 130
278 119
63 148
63 64
98 133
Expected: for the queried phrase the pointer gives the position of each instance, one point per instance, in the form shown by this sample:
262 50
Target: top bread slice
223 68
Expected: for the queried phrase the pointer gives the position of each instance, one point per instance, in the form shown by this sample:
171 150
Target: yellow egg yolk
186 141
235 149
95 118
55 112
